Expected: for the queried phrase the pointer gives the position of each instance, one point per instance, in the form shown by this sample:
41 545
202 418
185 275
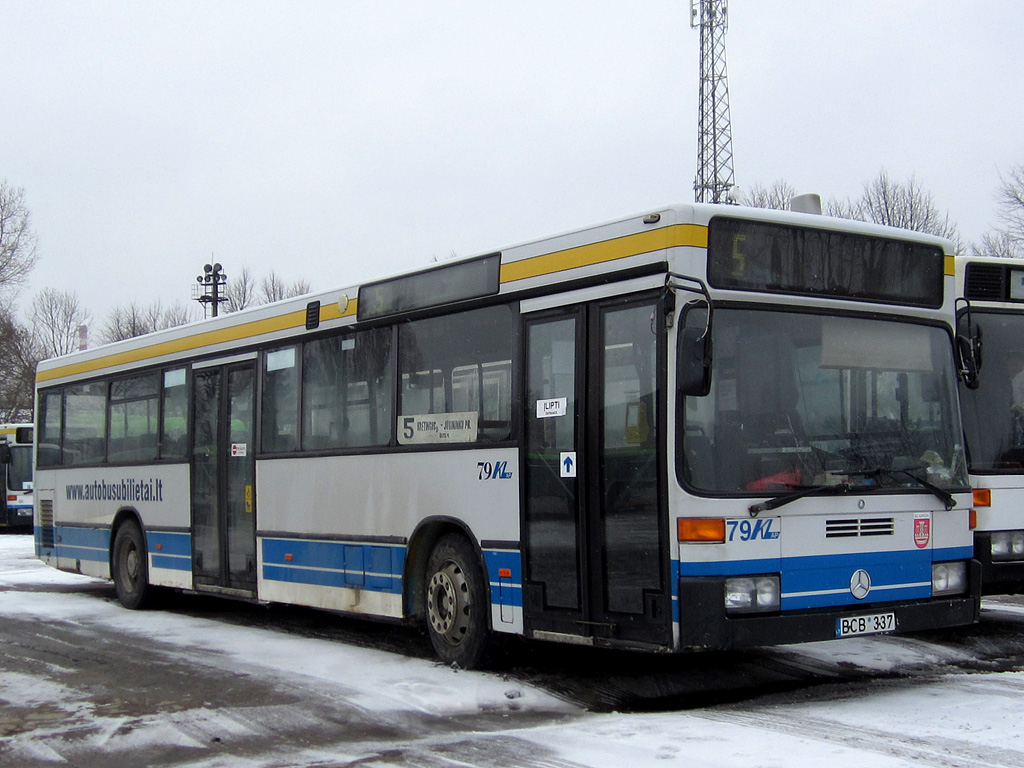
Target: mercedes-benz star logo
860 584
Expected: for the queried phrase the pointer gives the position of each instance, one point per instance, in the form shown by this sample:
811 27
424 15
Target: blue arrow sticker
567 463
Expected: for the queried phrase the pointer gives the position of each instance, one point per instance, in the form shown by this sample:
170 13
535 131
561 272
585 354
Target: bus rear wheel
130 567
456 603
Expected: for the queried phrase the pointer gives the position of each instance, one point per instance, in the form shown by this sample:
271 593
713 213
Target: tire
130 567
457 607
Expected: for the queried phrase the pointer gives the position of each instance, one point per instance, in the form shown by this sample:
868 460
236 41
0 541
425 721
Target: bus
16 456
701 427
991 308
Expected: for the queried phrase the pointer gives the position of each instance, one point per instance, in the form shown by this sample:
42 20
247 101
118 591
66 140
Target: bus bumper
17 517
997 577
704 624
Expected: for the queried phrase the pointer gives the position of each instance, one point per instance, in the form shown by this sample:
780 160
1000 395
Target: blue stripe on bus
172 551
373 567
90 544
173 563
819 581
953 553
172 544
505 590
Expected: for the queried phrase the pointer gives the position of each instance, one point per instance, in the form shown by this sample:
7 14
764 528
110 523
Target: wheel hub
448 603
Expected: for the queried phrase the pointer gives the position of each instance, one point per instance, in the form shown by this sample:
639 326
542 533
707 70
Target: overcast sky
339 141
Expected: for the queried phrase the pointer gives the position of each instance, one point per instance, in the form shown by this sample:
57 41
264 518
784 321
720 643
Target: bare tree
898 204
1010 202
842 209
777 196
17 239
240 291
18 255
274 288
126 322
999 243
19 354
1007 241
174 315
56 318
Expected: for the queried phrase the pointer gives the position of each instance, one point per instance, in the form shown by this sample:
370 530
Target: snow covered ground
84 682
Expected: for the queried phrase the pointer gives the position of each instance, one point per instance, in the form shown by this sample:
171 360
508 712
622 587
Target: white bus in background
16 459
702 427
993 415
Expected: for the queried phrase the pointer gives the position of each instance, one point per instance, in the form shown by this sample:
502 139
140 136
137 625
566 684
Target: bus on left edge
16 458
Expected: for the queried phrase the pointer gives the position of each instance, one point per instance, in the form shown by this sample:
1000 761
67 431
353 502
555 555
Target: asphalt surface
77 689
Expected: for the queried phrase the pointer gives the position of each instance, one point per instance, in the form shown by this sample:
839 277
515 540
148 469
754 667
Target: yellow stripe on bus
197 341
185 343
607 250
549 263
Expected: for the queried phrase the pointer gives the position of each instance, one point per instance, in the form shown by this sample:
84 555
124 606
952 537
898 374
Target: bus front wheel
456 603
130 569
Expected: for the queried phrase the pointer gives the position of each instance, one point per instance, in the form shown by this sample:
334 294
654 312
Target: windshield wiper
942 494
839 488
799 493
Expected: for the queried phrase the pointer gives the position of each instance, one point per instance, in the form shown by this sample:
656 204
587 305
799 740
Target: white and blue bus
992 308
703 427
16 458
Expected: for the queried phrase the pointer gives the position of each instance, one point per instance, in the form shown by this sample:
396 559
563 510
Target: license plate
866 625
24 512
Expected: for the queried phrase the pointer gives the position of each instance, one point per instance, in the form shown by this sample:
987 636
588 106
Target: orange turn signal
701 528
972 519
982 497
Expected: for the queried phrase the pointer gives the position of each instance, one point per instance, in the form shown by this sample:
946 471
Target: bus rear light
982 497
972 519
752 594
12 497
949 578
1008 545
696 529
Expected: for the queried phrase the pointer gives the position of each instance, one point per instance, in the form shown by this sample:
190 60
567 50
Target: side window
280 401
85 427
134 425
346 383
51 421
456 378
174 429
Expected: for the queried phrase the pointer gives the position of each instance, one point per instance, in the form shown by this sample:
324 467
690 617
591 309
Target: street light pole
211 280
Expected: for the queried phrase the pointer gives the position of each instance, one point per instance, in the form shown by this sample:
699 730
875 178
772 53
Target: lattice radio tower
714 133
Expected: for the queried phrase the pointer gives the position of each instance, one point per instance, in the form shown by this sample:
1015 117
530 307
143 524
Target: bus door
594 544
223 477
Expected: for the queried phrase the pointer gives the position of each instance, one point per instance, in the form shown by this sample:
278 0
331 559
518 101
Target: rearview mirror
968 347
693 352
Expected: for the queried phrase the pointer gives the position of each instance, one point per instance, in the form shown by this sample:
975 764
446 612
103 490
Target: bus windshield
993 413
800 400
19 472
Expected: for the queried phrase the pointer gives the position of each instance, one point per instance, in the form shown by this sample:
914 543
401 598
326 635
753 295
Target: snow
951 719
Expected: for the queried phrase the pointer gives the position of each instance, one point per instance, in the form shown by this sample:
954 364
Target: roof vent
312 315
809 203
984 282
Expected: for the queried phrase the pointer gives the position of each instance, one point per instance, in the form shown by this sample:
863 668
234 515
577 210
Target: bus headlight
752 594
1008 545
949 578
